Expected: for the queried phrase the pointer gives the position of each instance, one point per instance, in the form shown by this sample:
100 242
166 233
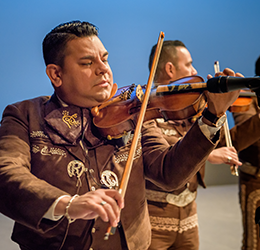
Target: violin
243 102
181 99
118 115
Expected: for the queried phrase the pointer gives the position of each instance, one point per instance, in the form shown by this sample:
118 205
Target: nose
194 71
103 67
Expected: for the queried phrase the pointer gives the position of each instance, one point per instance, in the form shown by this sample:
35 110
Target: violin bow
129 163
233 168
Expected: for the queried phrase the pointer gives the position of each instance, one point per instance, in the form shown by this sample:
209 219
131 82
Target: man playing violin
59 178
249 176
173 215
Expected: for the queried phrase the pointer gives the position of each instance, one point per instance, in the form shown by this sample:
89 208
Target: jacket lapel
66 125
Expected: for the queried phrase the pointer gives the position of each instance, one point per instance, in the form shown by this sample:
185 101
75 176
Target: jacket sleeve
246 130
171 167
24 197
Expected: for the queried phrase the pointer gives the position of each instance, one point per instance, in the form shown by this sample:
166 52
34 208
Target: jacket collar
65 124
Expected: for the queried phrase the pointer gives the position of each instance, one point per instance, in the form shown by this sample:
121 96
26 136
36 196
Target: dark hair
168 53
257 67
54 43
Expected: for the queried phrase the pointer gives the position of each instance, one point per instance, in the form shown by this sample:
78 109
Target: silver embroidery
109 179
253 198
172 224
76 168
169 132
39 134
35 149
181 200
243 208
57 151
160 120
124 157
46 151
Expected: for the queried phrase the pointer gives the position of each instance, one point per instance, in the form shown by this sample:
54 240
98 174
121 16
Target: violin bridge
139 93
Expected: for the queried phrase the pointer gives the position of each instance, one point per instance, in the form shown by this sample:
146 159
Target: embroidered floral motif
70 120
166 131
35 149
252 200
58 151
124 157
172 224
169 132
38 134
46 151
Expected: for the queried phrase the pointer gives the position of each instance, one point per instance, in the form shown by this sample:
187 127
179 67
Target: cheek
187 71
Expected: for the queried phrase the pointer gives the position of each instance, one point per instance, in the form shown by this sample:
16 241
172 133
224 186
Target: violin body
119 117
181 99
243 102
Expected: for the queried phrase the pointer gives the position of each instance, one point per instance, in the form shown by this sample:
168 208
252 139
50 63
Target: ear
170 70
54 73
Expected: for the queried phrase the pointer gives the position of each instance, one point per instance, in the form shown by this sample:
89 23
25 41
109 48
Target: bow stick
129 163
233 168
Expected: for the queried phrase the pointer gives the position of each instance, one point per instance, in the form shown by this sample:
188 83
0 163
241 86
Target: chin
106 94
101 98
104 98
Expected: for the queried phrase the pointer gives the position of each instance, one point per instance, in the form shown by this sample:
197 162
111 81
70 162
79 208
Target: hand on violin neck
219 103
226 72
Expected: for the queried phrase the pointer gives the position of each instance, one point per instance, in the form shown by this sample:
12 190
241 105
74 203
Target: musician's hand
219 103
105 203
226 72
224 155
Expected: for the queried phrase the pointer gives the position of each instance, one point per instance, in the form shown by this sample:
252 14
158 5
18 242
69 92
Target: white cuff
207 130
50 213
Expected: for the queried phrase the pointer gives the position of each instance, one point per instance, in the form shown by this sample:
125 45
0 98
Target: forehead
183 54
90 45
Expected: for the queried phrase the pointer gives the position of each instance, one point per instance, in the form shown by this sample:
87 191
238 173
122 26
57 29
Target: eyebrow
92 57
189 62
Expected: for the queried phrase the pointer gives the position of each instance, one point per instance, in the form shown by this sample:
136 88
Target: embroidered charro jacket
173 131
41 159
250 154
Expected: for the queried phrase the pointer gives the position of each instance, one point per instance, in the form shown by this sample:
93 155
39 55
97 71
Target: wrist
206 121
60 208
212 119
67 209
